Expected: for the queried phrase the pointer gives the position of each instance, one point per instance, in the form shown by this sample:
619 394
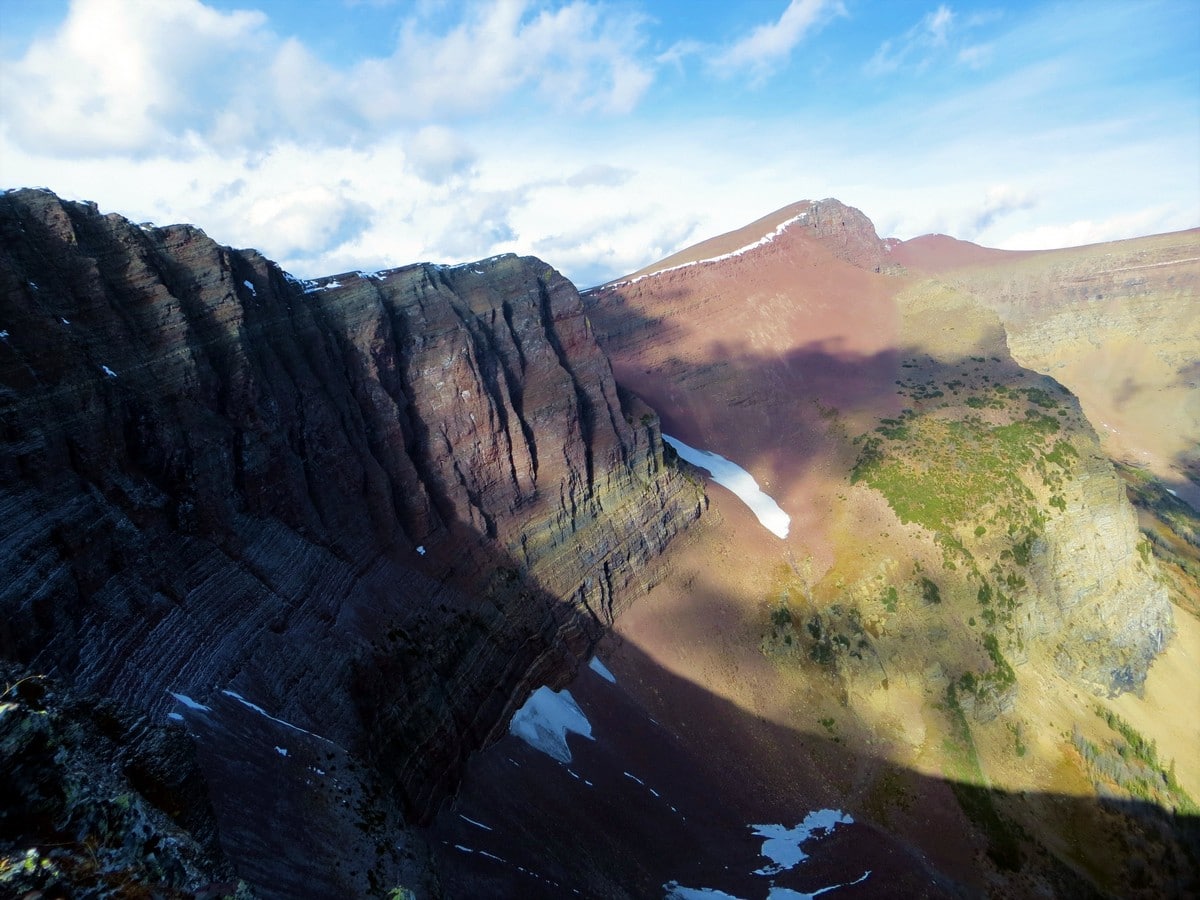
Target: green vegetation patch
1130 763
939 472
955 476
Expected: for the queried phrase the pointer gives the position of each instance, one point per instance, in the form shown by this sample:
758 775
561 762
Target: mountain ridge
383 511
336 530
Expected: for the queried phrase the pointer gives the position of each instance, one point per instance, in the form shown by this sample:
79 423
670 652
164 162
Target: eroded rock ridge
379 508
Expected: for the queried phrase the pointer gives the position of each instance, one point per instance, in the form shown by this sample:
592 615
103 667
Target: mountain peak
844 230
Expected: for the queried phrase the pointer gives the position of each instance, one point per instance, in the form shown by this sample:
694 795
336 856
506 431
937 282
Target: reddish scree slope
741 355
940 253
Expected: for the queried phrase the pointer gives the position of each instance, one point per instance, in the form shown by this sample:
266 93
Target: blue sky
340 134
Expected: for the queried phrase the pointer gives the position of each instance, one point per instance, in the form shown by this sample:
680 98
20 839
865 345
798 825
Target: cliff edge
360 518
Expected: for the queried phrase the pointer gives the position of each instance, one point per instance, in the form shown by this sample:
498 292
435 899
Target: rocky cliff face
378 507
848 234
1083 591
1102 608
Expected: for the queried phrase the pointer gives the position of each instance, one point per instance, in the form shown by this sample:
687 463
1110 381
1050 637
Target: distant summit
940 252
846 231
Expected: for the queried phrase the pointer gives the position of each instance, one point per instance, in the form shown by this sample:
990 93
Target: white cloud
118 76
308 221
770 44
600 174
1148 220
976 56
328 167
577 57
999 201
937 24
437 154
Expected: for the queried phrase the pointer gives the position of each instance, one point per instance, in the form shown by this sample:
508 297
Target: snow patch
4 335
262 712
421 550
250 288
545 719
476 824
602 670
109 372
782 893
782 845
189 702
676 891
732 476
761 242
282 751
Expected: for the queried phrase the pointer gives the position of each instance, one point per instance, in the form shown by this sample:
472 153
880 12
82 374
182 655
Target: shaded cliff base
664 793
675 776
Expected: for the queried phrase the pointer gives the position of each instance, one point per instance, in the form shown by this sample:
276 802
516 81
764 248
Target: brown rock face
380 507
741 354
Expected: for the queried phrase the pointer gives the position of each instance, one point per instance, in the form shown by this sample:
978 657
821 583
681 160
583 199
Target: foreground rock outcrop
374 510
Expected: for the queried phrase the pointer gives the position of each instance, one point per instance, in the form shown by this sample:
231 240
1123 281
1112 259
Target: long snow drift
732 476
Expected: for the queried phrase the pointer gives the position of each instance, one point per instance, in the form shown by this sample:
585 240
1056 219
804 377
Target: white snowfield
732 476
545 719
782 845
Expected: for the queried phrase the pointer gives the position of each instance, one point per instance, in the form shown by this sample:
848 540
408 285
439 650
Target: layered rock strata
379 507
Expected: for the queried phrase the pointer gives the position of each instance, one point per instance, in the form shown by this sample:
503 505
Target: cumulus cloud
1150 220
772 43
412 154
480 223
309 220
437 154
120 77
579 57
999 201
167 77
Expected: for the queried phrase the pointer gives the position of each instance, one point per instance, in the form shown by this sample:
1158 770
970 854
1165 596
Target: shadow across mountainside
675 779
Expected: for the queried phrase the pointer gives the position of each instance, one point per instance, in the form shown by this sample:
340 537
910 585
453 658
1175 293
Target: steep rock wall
1092 600
380 507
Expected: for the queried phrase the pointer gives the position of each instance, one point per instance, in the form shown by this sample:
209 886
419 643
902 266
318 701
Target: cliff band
378 509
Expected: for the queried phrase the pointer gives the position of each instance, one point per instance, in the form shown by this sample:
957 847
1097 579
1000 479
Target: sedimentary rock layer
379 506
